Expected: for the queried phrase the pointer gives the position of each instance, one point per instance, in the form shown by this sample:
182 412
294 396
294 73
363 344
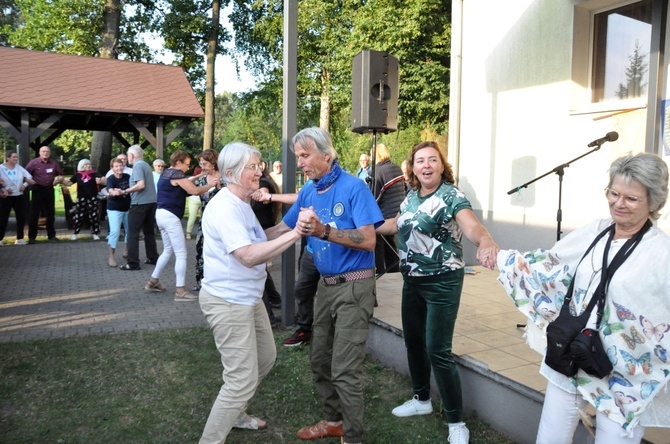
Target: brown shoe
321 430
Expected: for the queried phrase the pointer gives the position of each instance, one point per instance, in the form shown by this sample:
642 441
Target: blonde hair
381 153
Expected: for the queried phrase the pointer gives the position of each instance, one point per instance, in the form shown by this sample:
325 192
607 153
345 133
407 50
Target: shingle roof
35 79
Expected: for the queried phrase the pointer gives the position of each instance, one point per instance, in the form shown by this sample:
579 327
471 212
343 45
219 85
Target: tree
9 17
111 28
101 144
212 46
330 34
636 73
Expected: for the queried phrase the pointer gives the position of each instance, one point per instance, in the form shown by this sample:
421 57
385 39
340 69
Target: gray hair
234 157
649 170
321 139
82 163
136 151
159 162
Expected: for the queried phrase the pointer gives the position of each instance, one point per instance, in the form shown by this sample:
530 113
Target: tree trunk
208 137
324 113
101 146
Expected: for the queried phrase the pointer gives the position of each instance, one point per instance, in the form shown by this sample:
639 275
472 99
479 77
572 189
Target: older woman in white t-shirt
235 254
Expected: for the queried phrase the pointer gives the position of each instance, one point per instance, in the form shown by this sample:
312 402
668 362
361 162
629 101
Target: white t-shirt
228 224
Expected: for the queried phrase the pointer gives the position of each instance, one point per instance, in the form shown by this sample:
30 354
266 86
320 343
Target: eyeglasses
253 167
613 196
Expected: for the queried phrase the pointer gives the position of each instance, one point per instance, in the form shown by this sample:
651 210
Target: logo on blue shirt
338 209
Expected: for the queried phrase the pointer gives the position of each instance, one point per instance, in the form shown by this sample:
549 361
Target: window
621 48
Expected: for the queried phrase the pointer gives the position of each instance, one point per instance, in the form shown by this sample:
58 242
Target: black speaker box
374 92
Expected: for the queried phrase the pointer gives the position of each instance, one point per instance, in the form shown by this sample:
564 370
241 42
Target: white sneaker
73 237
96 237
459 434
413 407
20 242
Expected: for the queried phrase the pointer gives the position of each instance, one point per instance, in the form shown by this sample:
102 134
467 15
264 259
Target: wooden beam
53 136
142 129
11 129
160 140
177 131
121 139
45 125
25 155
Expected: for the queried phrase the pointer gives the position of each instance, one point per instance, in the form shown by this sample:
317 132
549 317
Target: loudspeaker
374 92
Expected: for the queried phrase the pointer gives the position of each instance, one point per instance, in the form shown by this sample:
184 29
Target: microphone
609 137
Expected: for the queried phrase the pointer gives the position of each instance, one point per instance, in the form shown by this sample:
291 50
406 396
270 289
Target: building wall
521 107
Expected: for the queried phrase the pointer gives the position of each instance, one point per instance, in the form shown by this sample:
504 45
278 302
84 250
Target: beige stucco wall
522 111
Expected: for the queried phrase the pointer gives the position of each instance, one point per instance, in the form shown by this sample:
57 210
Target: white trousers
560 419
173 241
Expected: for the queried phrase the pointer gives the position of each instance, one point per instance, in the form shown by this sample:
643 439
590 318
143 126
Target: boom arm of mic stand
558 170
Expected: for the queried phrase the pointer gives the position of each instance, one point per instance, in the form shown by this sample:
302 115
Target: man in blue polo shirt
341 215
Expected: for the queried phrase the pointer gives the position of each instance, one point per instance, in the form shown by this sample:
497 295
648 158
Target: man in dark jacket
389 192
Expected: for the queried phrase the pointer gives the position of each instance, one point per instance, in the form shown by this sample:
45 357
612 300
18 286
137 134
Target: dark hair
177 156
211 156
447 174
9 153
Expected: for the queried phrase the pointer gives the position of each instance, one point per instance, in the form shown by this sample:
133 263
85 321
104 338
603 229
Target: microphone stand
559 170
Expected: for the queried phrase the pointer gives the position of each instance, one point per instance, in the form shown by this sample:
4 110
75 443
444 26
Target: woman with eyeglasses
173 188
210 175
630 258
432 221
235 254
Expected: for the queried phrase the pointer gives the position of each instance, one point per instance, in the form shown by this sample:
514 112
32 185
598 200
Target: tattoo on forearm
354 235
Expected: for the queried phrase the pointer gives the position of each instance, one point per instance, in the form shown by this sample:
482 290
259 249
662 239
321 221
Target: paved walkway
66 288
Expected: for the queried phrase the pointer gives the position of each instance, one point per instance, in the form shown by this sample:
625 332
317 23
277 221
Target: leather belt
357 275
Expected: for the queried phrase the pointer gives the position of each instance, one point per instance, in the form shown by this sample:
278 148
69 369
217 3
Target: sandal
111 262
247 422
155 286
185 296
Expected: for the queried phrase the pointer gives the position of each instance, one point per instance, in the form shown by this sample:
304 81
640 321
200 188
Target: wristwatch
326 233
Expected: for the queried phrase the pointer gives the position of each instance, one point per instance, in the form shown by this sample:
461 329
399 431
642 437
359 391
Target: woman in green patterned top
432 220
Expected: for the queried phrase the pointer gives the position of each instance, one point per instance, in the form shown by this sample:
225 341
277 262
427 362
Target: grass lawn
158 387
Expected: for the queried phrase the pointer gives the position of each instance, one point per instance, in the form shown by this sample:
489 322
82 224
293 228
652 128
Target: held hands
116 192
261 195
214 180
308 223
487 253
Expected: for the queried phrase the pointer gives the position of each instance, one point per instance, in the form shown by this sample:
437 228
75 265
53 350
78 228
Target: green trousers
342 314
429 309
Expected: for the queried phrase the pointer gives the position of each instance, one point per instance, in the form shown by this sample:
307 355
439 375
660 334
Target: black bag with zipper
569 345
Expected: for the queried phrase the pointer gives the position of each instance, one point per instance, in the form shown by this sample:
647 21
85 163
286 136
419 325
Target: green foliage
9 18
330 34
72 27
185 26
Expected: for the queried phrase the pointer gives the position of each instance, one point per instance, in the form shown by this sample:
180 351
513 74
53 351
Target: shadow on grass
158 387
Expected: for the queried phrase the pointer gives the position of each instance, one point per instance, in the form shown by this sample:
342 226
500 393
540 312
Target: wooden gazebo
43 94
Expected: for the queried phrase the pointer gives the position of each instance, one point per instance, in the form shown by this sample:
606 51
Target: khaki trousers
244 338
